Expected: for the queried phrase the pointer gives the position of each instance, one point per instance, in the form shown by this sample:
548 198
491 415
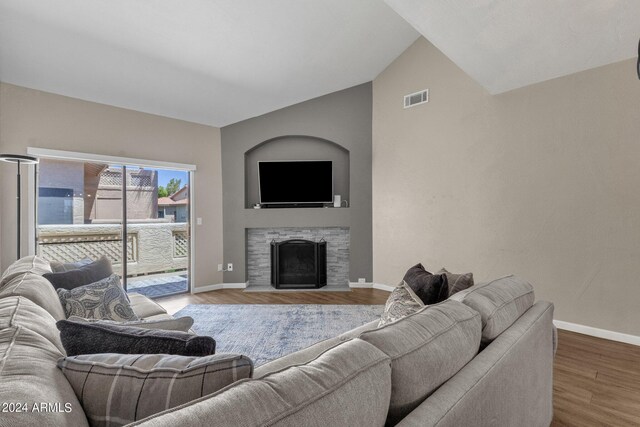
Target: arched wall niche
296 147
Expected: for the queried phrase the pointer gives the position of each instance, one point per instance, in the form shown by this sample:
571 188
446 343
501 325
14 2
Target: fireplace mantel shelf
302 217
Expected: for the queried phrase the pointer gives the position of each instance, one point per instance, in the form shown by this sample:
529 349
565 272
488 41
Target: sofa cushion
84 275
29 264
91 338
116 389
457 282
499 302
104 300
430 288
37 289
349 385
168 323
401 303
20 311
426 349
143 307
29 375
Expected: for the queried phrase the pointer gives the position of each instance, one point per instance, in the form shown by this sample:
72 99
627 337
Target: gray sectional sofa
482 358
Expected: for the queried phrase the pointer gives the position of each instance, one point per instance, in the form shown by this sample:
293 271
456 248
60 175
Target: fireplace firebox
298 264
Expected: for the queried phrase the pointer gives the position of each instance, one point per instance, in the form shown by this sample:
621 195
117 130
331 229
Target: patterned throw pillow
401 303
117 389
104 299
457 282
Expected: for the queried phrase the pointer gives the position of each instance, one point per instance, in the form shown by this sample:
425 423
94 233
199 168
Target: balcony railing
151 247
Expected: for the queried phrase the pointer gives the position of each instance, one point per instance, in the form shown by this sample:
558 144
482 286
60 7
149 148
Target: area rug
265 332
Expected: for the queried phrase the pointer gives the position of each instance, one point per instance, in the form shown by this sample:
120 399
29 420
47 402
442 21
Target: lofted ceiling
218 62
214 62
508 44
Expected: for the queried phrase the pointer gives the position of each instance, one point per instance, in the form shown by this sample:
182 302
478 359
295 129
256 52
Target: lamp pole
19 160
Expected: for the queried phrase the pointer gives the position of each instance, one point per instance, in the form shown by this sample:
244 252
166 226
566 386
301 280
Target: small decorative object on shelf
257 206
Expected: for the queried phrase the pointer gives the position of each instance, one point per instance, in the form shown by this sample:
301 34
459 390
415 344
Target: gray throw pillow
457 282
91 338
81 276
117 389
104 300
401 303
60 267
182 324
430 288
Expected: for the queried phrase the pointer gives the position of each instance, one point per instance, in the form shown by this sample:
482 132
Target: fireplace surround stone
259 252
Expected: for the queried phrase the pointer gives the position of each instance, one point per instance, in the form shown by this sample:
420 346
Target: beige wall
30 118
543 182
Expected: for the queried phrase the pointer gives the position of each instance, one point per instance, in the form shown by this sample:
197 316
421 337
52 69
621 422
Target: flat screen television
295 182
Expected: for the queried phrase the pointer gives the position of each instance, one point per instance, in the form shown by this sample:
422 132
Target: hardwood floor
596 382
238 296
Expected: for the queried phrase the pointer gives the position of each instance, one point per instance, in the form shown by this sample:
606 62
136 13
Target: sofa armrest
144 307
509 383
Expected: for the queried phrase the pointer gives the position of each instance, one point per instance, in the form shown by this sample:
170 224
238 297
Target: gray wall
31 118
343 118
541 182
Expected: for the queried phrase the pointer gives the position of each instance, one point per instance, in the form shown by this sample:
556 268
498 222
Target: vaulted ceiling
207 61
508 44
221 61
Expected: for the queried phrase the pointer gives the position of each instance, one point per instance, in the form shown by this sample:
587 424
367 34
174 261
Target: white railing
151 247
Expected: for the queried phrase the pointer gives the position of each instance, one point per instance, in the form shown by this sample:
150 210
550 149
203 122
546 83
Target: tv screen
295 182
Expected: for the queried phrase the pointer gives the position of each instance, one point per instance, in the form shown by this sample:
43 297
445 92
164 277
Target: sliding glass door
136 217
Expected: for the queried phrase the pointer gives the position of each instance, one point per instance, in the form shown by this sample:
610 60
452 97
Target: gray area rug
266 332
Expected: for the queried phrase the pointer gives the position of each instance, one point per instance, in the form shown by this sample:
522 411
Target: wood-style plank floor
596 382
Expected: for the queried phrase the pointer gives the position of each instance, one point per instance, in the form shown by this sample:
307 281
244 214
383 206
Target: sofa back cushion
499 302
20 311
37 289
426 349
349 385
29 264
29 376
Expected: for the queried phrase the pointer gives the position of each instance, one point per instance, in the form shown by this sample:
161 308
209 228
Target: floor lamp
19 160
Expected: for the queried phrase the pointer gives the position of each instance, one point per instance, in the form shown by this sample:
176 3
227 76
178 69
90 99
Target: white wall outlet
362 280
230 267
199 222
219 267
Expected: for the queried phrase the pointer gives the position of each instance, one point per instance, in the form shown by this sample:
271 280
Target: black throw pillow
92 338
81 276
430 288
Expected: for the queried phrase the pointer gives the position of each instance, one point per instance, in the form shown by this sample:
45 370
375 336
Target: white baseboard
370 285
596 332
218 286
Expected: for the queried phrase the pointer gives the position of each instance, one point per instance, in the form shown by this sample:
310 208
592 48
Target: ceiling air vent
416 98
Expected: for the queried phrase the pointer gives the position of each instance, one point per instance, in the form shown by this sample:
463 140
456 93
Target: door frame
45 153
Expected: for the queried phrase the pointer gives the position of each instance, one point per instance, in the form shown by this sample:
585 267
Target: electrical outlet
362 280
199 222
230 267
219 267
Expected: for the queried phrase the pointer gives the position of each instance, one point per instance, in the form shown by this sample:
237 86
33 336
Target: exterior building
87 193
176 206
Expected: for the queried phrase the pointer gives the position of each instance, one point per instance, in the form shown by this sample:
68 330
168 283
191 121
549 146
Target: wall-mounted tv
303 182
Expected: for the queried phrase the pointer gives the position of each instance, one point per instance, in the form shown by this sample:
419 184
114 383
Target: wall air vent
416 98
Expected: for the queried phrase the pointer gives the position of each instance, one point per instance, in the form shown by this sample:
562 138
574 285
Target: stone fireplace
335 242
